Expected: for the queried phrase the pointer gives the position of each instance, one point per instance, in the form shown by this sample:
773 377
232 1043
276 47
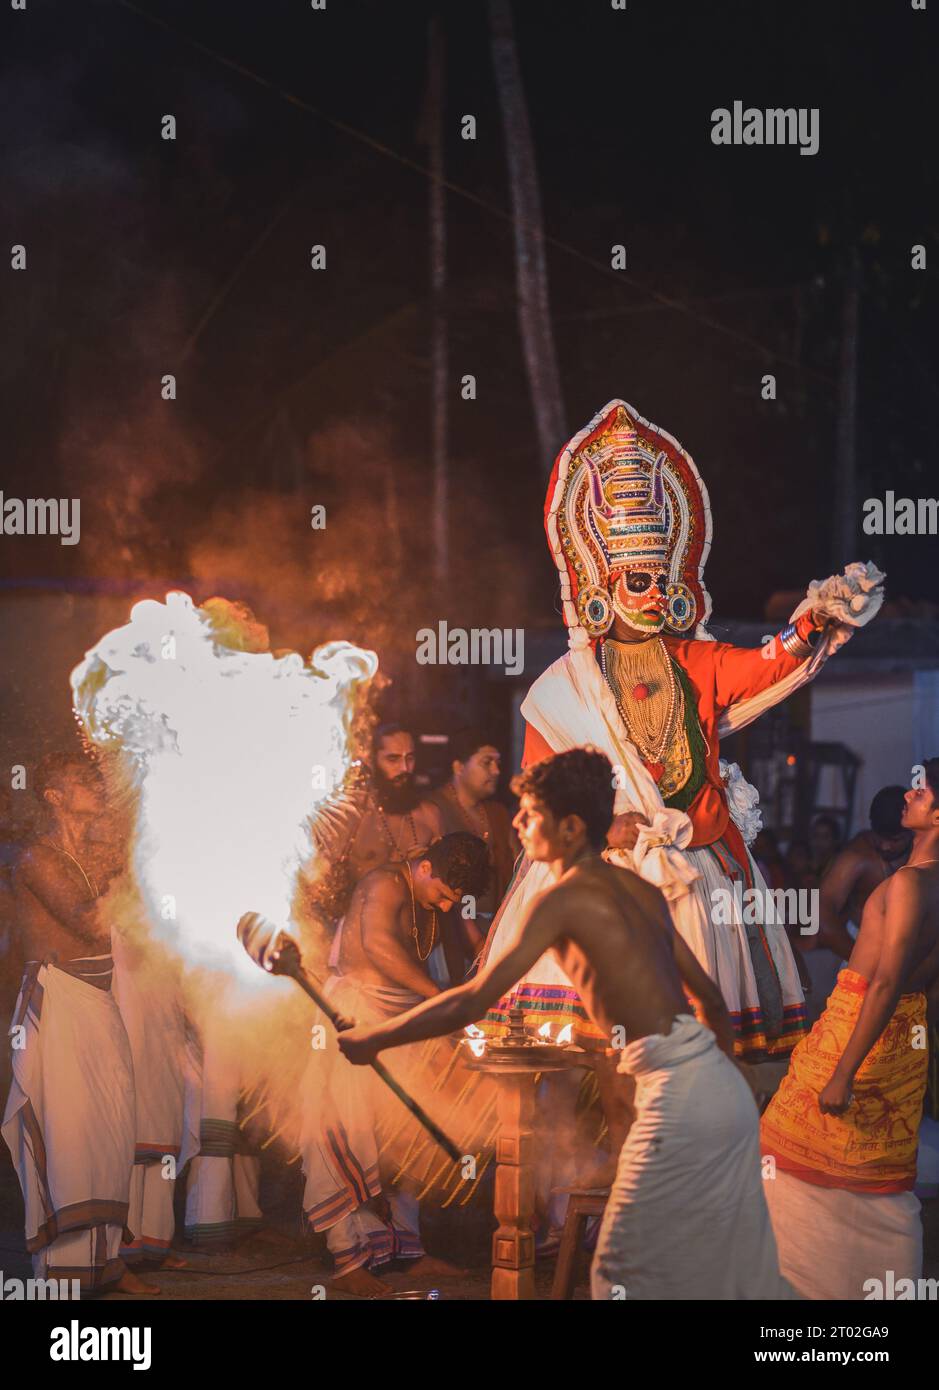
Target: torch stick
279 954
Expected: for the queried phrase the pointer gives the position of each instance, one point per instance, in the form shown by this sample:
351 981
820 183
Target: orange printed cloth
872 1146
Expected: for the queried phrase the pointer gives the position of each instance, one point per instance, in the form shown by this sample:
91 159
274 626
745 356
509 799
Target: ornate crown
624 493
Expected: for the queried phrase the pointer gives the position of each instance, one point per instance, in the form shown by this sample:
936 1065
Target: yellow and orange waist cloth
872 1147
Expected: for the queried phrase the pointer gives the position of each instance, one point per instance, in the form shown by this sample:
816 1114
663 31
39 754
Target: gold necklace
648 728
389 833
90 883
414 932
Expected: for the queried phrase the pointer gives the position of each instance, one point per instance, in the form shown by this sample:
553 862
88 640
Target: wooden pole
439 354
531 271
283 955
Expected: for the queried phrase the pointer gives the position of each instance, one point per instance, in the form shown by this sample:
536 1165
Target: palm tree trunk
438 286
530 268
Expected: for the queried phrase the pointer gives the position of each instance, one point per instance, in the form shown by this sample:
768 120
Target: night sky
296 387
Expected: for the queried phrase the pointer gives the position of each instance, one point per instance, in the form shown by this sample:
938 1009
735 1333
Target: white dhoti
69 1120
148 997
341 1143
224 1176
687 1216
834 1243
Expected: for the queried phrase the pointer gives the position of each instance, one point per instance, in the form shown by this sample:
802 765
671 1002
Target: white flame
545 1030
565 1034
234 750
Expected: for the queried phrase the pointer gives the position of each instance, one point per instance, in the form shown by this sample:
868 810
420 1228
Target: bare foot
359 1281
130 1282
174 1262
428 1267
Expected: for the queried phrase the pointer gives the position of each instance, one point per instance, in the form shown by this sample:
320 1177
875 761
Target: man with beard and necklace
864 863
396 823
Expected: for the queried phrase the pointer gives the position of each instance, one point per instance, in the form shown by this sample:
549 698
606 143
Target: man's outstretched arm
903 912
457 1008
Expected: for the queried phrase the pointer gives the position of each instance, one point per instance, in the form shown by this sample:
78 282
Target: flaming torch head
267 945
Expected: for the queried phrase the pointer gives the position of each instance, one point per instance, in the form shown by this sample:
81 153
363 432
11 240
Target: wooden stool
585 1202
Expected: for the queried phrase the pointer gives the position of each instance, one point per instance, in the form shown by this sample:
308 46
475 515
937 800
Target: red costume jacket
721 676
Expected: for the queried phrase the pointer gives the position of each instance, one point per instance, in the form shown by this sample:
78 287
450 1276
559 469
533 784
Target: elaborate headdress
624 493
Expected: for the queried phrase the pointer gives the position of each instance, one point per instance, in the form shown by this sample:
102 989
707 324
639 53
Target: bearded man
396 821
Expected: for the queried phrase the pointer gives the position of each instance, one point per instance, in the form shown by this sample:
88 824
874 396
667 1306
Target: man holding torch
686 1217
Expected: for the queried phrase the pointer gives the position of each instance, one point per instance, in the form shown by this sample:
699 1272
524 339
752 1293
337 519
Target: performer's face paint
639 599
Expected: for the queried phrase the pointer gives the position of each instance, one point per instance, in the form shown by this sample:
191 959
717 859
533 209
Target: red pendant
640 691
656 770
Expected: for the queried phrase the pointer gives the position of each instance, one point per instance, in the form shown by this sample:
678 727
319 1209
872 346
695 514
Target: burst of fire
233 751
476 1039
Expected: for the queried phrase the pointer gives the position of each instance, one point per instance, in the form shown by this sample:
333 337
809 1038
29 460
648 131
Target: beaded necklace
414 931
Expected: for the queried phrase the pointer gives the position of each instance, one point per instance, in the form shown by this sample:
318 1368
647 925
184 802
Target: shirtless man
468 802
686 1216
73 1074
843 1128
396 823
388 933
864 863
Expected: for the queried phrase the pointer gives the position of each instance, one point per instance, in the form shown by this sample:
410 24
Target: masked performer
629 526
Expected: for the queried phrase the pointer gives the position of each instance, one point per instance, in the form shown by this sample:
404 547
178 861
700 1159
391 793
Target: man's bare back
617 948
